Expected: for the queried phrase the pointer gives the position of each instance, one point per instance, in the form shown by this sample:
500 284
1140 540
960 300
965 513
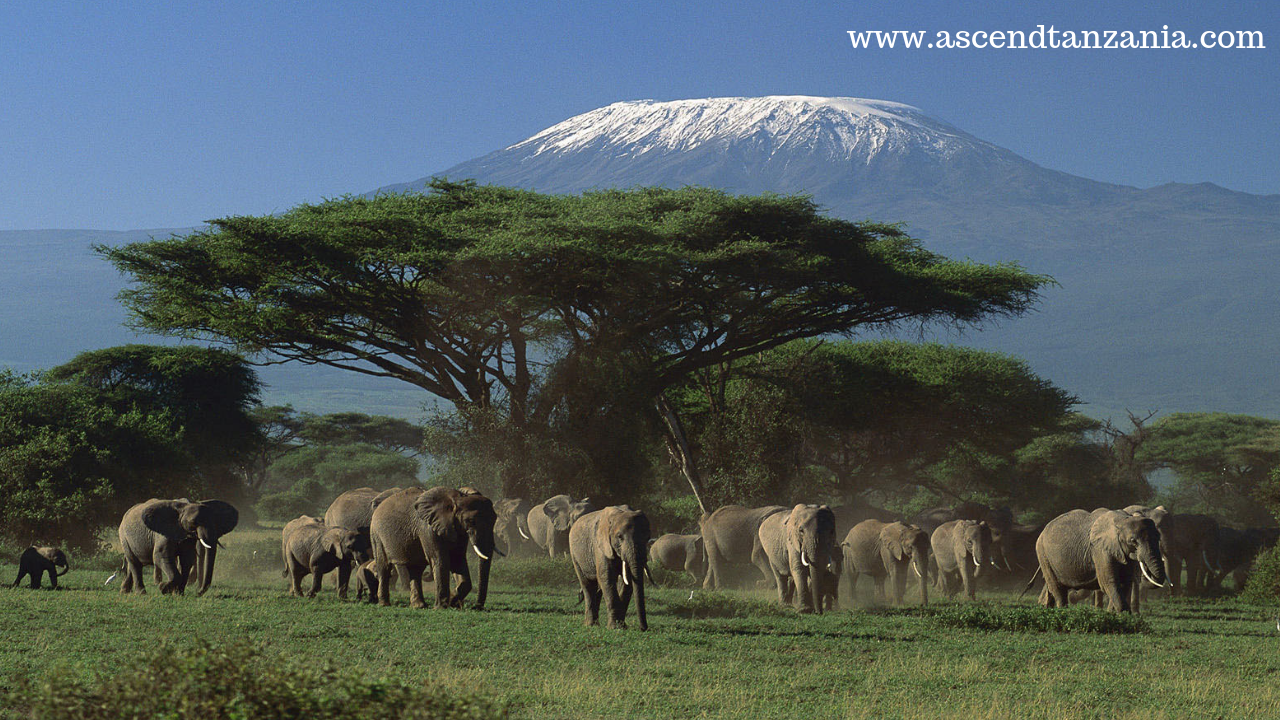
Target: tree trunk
678 446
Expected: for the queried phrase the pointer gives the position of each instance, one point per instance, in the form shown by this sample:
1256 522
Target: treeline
679 348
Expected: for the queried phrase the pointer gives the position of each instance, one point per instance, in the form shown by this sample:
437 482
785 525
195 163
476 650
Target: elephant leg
317 579
852 582
967 580
442 569
296 573
464 586
383 569
53 577
156 574
414 574
344 578
761 561
591 602
609 591
780 581
879 588
22 572
711 580
624 601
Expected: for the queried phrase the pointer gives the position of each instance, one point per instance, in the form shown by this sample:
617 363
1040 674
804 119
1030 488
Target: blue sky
149 114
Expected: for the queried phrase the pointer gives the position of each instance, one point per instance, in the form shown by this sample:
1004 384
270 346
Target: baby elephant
311 547
681 552
36 561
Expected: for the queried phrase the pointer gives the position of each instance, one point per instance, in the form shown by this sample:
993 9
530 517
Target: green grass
719 655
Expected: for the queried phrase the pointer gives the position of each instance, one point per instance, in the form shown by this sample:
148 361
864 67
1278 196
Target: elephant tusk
913 567
207 545
113 577
1204 554
975 561
803 560
1147 575
499 552
477 549
521 531
994 565
625 581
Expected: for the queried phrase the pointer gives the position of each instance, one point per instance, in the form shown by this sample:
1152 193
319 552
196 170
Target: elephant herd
808 553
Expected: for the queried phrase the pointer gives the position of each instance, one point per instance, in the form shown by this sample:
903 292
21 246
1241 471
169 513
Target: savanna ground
717 656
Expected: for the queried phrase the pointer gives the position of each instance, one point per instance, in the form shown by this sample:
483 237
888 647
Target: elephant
999 520
1019 547
310 546
855 512
731 535
549 522
831 582
798 546
884 551
36 561
353 510
1187 540
955 545
415 528
1233 553
1100 550
607 546
177 536
366 575
512 529
681 552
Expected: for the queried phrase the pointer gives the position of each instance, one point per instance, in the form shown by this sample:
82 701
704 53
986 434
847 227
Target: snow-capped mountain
1155 283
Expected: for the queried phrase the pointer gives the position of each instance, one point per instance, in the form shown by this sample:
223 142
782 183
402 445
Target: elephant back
393 527
352 509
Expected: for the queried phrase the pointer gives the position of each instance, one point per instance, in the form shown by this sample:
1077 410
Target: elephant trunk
484 546
922 569
1151 564
634 564
206 554
66 568
820 561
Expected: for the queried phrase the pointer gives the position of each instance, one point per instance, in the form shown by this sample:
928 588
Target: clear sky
121 115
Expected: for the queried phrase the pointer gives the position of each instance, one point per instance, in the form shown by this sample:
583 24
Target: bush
1027 618
237 682
1264 582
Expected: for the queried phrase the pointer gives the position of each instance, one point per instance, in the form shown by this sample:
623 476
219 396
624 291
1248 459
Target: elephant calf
367 580
36 561
681 552
956 544
309 547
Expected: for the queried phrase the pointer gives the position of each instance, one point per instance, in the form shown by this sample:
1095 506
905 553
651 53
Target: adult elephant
1234 551
681 552
309 546
176 536
962 550
885 551
353 510
1188 540
798 546
415 528
731 535
854 512
549 521
998 519
512 528
607 546
1101 550
1019 560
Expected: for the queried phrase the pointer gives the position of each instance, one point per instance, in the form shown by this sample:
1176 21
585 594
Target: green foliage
353 428
1223 463
72 460
344 467
558 318
207 393
1263 586
239 682
838 419
991 617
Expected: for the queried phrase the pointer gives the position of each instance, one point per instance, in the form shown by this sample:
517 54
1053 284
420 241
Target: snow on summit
837 128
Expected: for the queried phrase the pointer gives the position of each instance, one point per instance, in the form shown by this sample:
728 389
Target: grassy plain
718 656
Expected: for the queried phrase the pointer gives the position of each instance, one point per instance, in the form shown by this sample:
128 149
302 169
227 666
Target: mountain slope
1165 298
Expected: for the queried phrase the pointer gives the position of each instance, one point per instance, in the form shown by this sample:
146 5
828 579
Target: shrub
1028 618
1264 582
237 682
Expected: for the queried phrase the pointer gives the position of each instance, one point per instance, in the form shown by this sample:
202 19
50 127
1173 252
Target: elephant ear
1105 535
438 507
605 532
219 516
332 542
557 510
164 518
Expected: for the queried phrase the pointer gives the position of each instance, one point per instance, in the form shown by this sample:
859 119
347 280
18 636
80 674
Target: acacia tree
495 299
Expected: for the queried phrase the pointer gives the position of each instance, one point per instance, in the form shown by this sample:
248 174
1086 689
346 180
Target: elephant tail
1030 582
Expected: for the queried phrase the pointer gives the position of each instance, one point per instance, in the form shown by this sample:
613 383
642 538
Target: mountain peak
835 128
